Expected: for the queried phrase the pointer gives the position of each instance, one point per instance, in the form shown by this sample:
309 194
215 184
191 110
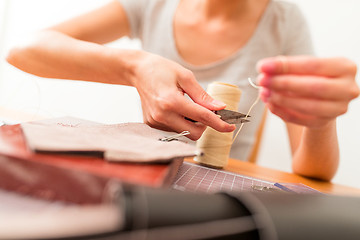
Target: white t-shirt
282 30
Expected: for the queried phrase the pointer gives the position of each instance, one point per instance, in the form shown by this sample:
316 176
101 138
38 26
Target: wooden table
264 173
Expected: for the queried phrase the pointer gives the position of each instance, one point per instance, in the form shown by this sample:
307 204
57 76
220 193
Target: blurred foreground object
145 213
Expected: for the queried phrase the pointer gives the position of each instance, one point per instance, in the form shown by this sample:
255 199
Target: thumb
205 100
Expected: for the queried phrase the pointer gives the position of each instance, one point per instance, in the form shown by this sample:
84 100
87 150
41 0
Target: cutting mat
196 178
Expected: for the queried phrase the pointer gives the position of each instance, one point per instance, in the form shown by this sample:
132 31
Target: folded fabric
128 142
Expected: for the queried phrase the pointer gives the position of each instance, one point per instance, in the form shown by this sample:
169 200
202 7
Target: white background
334 25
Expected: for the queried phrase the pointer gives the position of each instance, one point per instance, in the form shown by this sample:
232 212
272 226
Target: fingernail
218 104
265 94
264 80
267 65
231 128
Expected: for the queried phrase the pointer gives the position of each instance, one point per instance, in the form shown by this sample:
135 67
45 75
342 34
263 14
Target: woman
187 43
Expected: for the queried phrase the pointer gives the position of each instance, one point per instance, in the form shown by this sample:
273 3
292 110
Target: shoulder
285 10
287 16
293 27
146 14
143 9
142 4
131 5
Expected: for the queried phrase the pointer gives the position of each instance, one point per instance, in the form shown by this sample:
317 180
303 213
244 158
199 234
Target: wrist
317 155
125 66
320 134
326 126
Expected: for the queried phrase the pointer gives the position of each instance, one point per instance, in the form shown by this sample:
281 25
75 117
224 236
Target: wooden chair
254 152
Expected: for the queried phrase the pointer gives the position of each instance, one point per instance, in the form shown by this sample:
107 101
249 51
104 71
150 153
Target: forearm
161 83
310 92
54 55
317 154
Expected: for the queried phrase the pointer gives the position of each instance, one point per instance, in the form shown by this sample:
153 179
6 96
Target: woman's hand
161 85
306 90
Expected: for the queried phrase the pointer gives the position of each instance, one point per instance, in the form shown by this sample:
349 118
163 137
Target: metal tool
174 137
232 117
229 116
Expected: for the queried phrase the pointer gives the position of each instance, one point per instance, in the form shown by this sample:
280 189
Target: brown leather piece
68 177
126 142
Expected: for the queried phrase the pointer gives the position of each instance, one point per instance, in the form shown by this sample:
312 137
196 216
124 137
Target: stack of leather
75 176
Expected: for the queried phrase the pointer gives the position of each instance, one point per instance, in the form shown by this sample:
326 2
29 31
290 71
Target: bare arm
73 50
53 54
316 154
309 94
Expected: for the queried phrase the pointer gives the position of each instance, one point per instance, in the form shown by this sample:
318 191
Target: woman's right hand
162 85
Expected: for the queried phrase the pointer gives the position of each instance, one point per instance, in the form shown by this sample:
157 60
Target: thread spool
216 145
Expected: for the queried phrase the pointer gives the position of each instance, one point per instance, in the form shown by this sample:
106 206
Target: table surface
235 166
268 174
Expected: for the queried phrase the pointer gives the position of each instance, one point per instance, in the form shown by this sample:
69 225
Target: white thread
248 113
253 84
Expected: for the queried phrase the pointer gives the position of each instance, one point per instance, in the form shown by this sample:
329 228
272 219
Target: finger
175 122
307 65
176 103
295 117
314 107
198 113
192 88
309 86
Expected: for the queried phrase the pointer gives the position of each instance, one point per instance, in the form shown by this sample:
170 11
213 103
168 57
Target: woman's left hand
307 90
